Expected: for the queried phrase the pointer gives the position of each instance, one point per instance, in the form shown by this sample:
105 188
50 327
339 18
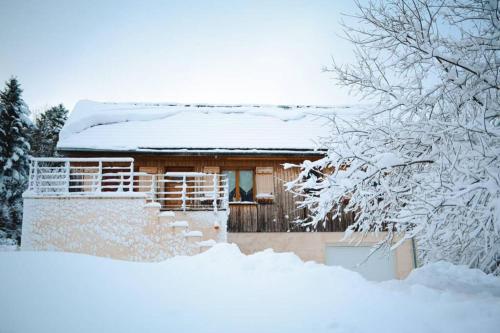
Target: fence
92 176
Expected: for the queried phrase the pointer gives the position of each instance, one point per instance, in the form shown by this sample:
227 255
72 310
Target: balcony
77 177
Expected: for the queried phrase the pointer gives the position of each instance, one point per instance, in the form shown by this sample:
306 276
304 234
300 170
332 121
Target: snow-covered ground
223 290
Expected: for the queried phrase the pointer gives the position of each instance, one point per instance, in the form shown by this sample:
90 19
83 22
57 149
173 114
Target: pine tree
46 133
14 157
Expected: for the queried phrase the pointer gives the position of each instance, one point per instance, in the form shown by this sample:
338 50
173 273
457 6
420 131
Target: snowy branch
424 163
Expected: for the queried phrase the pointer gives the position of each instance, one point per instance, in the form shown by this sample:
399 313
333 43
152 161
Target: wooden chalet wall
277 216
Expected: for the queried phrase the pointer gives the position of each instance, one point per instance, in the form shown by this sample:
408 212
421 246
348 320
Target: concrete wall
312 245
120 226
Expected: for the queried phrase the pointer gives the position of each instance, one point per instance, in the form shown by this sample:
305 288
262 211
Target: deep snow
223 290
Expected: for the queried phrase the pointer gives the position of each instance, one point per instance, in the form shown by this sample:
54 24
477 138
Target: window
240 185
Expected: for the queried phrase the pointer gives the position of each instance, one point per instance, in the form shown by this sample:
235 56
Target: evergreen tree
14 157
46 133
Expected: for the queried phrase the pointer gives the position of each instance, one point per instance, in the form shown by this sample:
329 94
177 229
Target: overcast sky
173 51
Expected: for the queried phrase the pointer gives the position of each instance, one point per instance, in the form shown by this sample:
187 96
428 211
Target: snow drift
223 290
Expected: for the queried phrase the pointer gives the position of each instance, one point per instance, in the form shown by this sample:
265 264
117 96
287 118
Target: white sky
268 52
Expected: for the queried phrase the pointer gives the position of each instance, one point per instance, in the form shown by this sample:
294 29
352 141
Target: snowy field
223 290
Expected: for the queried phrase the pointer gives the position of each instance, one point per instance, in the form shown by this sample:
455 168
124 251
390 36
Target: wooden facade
276 214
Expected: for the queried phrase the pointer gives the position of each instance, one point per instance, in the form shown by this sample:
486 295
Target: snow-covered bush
425 162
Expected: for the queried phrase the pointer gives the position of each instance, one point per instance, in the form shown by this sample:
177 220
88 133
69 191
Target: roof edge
203 151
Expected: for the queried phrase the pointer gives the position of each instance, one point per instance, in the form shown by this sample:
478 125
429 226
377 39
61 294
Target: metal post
131 184
35 177
153 187
30 178
183 195
216 194
226 194
66 167
120 187
99 177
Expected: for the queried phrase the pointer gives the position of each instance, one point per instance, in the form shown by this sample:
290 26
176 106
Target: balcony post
66 168
153 188
226 194
35 176
120 186
215 189
131 184
30 177
99 178
183 193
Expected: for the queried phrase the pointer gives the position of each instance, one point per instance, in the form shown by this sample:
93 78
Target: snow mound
223 290
167 213
179 224
207 243
9 247
193 233
7 244
457 278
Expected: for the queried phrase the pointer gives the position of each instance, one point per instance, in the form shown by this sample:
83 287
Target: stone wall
116 225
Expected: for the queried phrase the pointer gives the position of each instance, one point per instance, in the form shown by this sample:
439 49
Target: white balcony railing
93 176
186 190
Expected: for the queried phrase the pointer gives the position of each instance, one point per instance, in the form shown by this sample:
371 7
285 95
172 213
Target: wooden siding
275 216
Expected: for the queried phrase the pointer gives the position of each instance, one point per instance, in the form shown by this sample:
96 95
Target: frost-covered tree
46 132
14 157
425 162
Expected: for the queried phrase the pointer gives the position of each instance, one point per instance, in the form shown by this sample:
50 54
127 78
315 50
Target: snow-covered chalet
145 182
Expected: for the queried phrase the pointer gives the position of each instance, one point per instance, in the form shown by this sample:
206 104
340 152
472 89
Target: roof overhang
203 151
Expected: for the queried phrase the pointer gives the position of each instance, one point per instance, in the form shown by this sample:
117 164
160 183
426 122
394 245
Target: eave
203 151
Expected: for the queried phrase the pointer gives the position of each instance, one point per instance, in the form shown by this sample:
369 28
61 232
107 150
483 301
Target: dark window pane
246 185
231 176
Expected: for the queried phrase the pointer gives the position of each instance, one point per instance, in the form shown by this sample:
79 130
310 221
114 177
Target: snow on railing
187 190
91 176
58 176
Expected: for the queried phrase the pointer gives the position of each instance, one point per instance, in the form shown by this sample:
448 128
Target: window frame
237 195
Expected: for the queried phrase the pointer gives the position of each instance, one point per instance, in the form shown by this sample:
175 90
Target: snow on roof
196 127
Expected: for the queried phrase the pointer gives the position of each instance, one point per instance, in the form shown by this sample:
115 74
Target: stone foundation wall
120 226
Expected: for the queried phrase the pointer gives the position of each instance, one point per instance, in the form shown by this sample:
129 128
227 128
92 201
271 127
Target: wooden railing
92 176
